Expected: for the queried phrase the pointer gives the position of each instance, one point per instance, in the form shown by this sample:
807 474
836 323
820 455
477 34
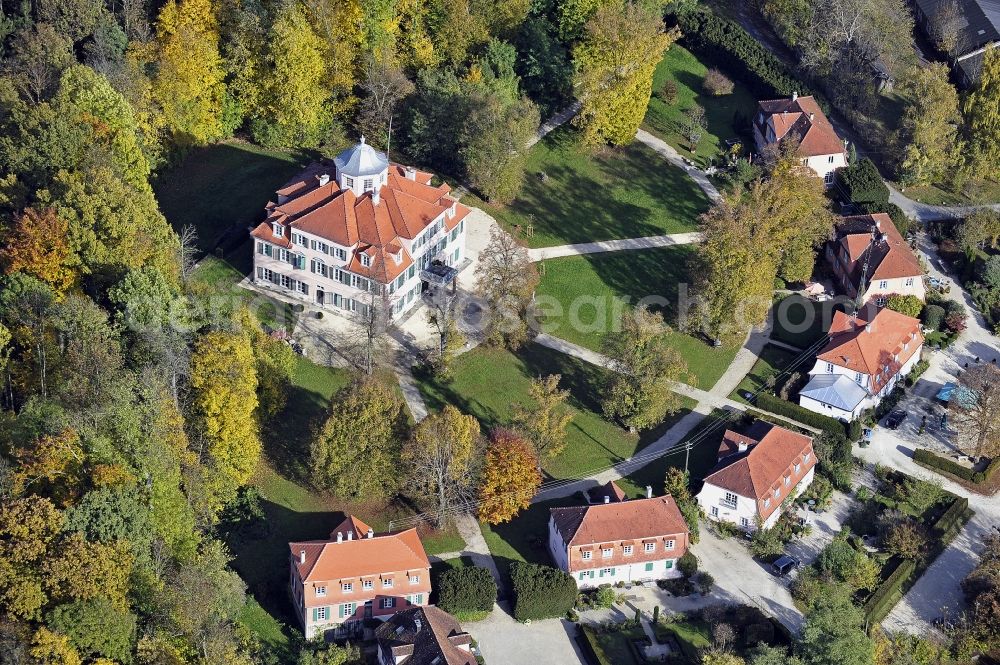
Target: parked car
895 419
784 565
937 283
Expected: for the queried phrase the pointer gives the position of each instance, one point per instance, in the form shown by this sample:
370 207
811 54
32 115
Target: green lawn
987 191
587 288
223 187
721 113
573 194
613 648
488 382
802 322
772 362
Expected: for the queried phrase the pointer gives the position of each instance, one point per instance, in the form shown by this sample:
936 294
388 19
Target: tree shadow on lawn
287 437
721 112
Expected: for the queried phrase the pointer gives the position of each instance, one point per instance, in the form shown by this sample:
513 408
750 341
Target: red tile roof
804 118
889 256
624 520
405 208
360 556
871 341
770 454
425 636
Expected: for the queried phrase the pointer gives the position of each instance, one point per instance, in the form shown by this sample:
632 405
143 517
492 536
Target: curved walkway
647 242
667 151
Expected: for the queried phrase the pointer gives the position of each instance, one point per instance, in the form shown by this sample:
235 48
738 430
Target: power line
636 461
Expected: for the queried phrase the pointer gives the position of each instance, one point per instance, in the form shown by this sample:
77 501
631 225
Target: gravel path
648 242
672 156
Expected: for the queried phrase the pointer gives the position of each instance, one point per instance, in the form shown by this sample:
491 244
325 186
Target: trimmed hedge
803 415
469 589
728 46
952 518
936 462
880 603
541 592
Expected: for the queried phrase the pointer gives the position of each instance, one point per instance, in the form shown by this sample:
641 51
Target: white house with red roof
867 355
618 540
755 473
868 255
820 148
357 574
341 235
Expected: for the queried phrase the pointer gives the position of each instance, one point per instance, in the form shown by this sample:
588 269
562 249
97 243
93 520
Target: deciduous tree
639 392
38 56
908 305
355 451
614 63
980 229
545 422
36 245
441 459
510 477
834 633
28 528
982 118
495 134
976 411
506 280
926 139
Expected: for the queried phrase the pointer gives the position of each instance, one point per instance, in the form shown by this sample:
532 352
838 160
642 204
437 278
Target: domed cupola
361 168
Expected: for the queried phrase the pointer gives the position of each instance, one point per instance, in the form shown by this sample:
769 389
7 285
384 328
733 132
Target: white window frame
347 587
777 493
386 584
627 549
669 545
586 555
649 547
367 585
715 511
414 579
320 614
320 591
278 230
606 553
388 602
829 368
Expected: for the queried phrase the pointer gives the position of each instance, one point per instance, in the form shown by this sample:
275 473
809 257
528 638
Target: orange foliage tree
510 477
36 245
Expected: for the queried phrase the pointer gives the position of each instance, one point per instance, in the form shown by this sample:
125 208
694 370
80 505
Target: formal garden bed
889 540
583 299
575 194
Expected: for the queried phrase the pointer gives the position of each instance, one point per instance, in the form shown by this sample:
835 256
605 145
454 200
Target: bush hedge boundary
781 407
946 467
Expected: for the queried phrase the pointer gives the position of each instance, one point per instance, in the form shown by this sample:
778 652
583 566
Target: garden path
667 151
648 242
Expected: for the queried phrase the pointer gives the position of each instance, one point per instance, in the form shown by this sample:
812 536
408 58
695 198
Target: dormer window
279 232
397 257
321 591
366 260
348 182
347 587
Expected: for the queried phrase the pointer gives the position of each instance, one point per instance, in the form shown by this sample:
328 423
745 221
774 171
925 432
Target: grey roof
361 160
979 21
836 390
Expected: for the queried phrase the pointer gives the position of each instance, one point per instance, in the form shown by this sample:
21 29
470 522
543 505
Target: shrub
908 305
933 317
605 596
668 92
541 592
469 589
918 369
956 322
927 458
725 43
906 540
861 184
688 565
879 604
705 583
951 518
716 83
787 409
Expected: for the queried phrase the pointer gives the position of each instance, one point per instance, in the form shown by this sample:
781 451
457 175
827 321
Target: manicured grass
722 113
223 187
613 648
802 322
771 363
987 191
588 195
692 636
590 291
267 629
487 383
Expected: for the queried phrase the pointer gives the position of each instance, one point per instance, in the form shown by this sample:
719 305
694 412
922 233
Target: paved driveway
825 525
504 641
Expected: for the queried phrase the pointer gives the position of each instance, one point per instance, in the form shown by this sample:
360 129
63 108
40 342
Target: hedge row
594 650
933 461
953 517
541 592
727 45
880 603
469 589
782 407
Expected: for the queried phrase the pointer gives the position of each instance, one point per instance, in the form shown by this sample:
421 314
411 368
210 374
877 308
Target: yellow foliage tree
51 648
440 457
224 385
190 81
37 245
28 528
510 477
81 570
614 62
338 24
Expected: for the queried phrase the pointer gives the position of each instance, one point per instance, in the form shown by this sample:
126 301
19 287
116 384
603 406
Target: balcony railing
731 505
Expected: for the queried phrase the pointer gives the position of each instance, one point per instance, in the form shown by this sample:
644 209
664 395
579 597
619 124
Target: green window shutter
612 572
601 573
340 611
315 614
670 564
420 599
649 567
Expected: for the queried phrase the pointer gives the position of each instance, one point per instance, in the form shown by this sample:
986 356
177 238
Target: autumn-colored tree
28 528
717 657
494 153
906 539
297 108
753 236
677 484
976 411
510 477
979 230
36 244
385 86
545 422
51 648
640 392
441 459
52 466
614 62
189 83
355 452
224 399
338 24
506 280
926 139
82 570
982 118
908 305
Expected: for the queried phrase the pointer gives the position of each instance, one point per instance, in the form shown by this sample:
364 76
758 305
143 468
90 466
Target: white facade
722 505
863 380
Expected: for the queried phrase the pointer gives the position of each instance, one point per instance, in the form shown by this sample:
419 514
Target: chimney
418 624
649 491
371 534
376 197
302 556
878 223
795 95
607 499
742 446
340 537
350 535
868 327
812 116
324 179
411 173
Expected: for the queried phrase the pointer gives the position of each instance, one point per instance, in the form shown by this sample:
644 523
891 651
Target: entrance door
320 297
